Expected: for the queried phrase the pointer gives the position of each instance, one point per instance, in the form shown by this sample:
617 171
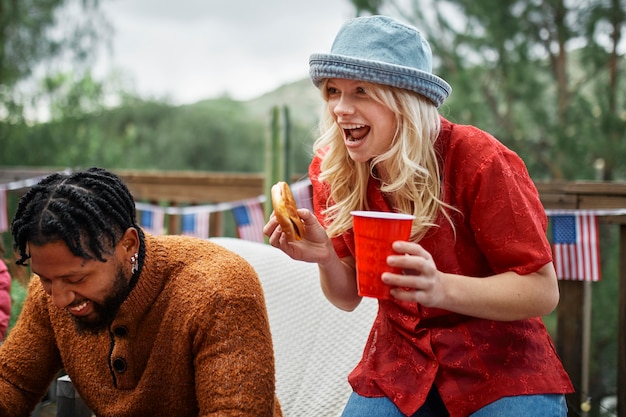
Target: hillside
302 98
216 134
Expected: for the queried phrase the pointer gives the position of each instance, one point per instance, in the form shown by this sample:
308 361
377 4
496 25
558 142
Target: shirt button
119 365
120 331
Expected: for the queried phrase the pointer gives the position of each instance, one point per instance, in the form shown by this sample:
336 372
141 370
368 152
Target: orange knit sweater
192 339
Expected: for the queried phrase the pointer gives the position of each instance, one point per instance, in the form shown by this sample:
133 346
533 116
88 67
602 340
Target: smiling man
143 325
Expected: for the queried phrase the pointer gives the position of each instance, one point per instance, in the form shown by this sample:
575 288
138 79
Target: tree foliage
81 129
40 36
542 75
213 135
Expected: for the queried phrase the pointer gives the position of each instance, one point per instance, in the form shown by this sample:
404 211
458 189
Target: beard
105 312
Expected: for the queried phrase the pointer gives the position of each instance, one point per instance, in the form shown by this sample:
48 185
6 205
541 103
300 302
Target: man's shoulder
191 250
204 268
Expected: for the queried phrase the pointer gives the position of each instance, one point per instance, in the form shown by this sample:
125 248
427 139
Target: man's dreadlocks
89 210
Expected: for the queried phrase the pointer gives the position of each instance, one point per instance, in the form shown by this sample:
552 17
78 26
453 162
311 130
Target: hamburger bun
285 210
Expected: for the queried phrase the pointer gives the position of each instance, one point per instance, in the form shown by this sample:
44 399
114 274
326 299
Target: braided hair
89 210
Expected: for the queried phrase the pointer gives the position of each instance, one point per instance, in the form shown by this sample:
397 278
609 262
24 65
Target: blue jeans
548 405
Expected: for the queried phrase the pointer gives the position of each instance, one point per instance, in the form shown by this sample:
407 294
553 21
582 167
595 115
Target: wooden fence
570 329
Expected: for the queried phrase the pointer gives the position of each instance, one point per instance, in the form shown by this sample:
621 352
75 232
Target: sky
191 50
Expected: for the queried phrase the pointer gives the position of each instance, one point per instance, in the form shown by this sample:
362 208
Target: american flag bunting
196 224
250 220
303 194
153 220
575 246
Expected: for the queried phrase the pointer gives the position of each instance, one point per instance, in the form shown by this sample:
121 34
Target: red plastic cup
374 232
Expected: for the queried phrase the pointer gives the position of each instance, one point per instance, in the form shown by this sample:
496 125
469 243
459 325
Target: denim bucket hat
382 50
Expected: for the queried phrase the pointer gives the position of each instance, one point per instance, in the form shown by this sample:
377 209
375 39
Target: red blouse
502 227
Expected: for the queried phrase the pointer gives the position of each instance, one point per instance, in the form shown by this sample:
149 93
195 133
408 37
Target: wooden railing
575 295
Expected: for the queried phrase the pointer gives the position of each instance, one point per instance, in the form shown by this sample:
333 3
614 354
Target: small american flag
250 220
4 216
575 246
303 194
153 220
196 224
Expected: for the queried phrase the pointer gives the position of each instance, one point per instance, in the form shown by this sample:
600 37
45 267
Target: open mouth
79 309
355 133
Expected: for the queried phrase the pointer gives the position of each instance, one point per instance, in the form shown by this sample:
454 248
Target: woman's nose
343 106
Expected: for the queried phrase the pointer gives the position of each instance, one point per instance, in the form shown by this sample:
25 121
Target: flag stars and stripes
575 246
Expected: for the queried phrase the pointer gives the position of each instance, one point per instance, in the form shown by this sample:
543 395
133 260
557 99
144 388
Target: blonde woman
462 334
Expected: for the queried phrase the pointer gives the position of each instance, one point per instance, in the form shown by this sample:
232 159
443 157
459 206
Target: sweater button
119 365
120 331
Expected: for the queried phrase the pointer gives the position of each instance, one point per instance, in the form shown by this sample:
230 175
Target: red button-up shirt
501 227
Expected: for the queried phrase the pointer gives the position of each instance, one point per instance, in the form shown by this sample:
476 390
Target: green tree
213 135
542 75
44 35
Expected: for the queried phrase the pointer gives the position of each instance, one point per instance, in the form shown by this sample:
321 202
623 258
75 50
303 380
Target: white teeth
352 126
79 308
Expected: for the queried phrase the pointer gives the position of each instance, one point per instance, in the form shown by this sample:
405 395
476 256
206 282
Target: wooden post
174 227
287 145
274 159
585 349
570 318
621 325
217 224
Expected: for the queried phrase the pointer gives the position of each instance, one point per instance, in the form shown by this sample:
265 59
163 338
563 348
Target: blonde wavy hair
412 183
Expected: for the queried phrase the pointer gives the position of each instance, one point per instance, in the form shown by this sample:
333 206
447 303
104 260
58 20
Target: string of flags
195 220
574 233
250 219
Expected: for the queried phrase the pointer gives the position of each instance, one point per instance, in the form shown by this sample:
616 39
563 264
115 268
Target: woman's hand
315 246
506 296
337 276
420 281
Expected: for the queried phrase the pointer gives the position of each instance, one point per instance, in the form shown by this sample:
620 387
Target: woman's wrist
329 260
